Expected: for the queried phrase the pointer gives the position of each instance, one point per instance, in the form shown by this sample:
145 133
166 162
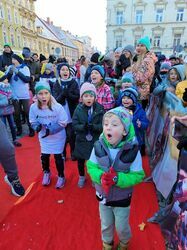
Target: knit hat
131 93
124 116
128 77
42 58
19 58
73 71
49 66
60 65
42 85
165 67
172 57
7 45
130 49
184 97
95 57
118 50
88 87
100 69
145 41
26 52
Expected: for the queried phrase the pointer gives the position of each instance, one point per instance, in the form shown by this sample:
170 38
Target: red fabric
40 222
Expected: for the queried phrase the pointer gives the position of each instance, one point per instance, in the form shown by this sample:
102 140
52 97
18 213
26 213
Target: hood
181 70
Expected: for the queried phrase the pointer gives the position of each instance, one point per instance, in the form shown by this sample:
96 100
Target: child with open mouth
115 166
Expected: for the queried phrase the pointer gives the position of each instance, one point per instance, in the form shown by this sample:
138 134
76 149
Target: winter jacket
6 98
180 88
67 90
5 60
140 114
83 147
143 74
127 163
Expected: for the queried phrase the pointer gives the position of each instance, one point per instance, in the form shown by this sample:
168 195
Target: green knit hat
42 85
7 45
145 41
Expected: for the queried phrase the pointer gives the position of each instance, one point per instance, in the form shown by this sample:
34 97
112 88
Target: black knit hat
42 58
19 58
95 57
184 97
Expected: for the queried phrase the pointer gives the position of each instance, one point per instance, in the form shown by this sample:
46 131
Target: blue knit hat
131 93
42 85
100 69
145 41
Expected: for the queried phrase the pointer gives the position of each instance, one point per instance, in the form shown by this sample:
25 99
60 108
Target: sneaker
60 182
81 181
16 187
46 179
17 143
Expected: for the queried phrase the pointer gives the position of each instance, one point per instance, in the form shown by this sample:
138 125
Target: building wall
167 35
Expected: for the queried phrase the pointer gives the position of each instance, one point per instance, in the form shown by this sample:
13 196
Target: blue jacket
140 114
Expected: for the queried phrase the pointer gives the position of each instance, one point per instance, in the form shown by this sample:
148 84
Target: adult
34 67
6 57
83 68
144 68
7 159
94 60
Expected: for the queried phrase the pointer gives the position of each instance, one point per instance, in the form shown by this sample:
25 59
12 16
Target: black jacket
5 60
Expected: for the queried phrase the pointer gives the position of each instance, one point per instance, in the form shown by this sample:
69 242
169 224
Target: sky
80 17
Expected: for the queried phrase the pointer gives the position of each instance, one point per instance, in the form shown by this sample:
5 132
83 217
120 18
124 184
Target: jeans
7 153
12 125
114 217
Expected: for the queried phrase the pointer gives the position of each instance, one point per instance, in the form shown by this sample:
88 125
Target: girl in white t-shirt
49 119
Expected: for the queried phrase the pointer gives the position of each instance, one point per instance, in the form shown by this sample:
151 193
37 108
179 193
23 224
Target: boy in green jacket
115 166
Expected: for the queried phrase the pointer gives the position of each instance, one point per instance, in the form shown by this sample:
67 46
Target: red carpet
40 222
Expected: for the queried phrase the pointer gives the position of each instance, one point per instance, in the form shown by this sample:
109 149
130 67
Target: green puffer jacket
83 147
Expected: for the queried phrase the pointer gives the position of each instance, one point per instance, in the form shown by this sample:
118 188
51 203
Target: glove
109 179
46 133
182 144
14 69
89 126
38 128
11 70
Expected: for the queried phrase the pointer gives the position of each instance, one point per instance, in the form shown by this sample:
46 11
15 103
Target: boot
19 131
107 246
31 132
123 246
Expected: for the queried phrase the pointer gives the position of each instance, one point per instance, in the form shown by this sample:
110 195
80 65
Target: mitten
38 128
47 132
110 178
182 144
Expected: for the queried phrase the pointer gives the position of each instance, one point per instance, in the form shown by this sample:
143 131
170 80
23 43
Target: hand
46 133
138 122
10 71
14 69
109 179
39 128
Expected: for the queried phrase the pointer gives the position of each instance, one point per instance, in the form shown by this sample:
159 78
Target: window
118 41
12 39
1 11
4 33
9 14
159 15
19 41
176 40
156 41
180 14
29 24
139 16
24 42
119 18
16 17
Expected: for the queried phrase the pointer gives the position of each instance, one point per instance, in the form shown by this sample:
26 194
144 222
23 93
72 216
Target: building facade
164 21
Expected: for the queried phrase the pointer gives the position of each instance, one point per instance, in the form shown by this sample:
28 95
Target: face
7 49
173 75
15 62
88 99
117 55
44 96
126 85
141 49
35 58
64 72
96 77
127 102
172 61
113 129
47 71
127 54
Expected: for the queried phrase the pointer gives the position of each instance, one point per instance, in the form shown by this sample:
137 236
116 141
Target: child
115 166
7 108
104 95
48 118
87 124
129 101
49 75
66 92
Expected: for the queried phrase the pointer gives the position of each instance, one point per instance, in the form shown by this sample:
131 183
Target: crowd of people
99 107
